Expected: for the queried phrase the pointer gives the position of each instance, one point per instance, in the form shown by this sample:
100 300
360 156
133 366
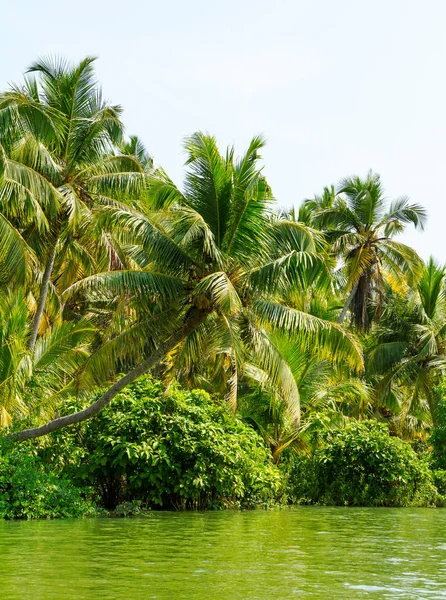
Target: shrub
180 450
439 479
438 436
29 491
361 465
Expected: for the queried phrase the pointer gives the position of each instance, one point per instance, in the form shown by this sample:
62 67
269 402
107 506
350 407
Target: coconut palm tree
324 388
361 228
31 384
407 357
310 211
59 160
211 266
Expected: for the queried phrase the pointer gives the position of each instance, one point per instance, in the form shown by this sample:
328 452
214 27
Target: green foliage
407 351
361 226
29 381
361 465
438 435
110 266
439 479
29 490
179 450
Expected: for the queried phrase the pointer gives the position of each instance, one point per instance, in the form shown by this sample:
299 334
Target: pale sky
336 86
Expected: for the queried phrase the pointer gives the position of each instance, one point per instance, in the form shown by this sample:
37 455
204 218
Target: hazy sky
336 86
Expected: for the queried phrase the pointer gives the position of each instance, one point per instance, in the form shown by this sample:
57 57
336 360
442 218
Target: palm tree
310 211
31 384
407 357
59 160
211 266
361 230
324 388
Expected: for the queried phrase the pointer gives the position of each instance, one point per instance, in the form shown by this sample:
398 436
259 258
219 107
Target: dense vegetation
361 465
179 450
30 489
316 340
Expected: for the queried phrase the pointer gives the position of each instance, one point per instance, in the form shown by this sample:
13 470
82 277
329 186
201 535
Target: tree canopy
109 270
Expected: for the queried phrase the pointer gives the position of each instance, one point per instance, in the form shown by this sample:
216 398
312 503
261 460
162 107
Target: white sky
336 86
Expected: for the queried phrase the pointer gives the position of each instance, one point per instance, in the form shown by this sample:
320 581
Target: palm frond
221 292
16 257
145 285
329 338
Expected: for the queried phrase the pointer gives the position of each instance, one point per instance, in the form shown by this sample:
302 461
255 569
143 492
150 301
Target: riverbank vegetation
199 346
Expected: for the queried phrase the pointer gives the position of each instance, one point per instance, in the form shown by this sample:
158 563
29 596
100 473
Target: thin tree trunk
191 323
347 303
42 297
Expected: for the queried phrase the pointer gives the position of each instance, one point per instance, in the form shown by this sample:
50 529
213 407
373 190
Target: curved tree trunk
191 323
42 297
347 303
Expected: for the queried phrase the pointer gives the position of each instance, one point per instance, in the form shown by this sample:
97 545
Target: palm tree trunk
347 303
191 323
42 297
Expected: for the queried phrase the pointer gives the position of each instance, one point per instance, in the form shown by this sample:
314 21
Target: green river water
269 555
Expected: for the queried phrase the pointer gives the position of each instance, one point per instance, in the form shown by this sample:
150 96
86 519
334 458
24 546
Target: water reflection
301 553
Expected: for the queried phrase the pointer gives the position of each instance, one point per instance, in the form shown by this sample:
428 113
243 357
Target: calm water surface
272 555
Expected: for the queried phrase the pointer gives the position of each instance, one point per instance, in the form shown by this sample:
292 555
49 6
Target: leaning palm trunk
191 323
347 303
42 297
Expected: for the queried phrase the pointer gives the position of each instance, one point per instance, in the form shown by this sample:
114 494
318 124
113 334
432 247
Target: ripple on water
302 553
